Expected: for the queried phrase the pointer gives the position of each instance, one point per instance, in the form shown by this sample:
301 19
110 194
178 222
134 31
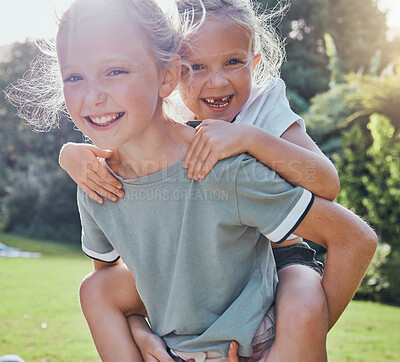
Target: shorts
297 254
262 342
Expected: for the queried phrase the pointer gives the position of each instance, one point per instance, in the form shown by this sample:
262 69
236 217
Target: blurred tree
36 197
357 27
382 181
352 168
370 179
358 123
376 95
353 102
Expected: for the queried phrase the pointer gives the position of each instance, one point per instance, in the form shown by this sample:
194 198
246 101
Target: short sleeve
94 243
269 203
269 109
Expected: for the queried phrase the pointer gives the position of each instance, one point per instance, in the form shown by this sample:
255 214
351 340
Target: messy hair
247 14
39 97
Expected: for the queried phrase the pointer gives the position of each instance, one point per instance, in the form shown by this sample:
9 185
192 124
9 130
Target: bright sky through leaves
22 19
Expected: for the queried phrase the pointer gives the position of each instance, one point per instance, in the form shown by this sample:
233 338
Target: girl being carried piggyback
234 59
204 271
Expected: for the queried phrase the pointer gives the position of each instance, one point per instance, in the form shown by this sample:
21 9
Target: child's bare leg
107 296
301 315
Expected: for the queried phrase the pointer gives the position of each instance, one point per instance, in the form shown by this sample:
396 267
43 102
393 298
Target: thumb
232 352
100 153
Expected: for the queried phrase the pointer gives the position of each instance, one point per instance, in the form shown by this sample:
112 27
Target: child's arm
350 243
294 156
151 346
82 165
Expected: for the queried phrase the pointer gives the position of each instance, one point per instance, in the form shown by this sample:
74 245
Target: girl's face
111 82
222 63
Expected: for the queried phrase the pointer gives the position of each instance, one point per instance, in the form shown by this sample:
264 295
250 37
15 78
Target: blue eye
73 78
117 72
234 62
197 67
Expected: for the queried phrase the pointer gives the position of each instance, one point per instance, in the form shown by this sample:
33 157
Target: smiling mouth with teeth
217 102
105 120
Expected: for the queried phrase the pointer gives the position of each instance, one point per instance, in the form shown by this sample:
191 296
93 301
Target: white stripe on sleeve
292 219
108 257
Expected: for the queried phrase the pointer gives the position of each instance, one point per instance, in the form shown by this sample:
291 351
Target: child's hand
151 346
260 353
214 140
153 349
82 165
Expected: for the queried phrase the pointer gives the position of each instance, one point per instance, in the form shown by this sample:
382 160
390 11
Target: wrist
250 137
139 327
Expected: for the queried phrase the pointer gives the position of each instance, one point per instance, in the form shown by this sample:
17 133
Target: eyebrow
127 61
232 54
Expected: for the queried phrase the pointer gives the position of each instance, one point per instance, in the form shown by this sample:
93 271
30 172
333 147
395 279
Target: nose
217 79
95 95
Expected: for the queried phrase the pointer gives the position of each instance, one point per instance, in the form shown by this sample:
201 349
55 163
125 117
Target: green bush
369 170
358 124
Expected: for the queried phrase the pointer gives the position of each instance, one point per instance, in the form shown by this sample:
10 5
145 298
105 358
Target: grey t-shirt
199 249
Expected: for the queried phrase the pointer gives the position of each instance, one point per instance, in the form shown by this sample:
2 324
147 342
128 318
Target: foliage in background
357 122
36 197
357 27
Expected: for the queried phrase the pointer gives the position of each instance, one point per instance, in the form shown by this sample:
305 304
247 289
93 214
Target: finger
108 178
91 194
190 149
104 185
196 151
232 352
99 152
150 358
96 167
161 354
208 164
201 158
197 155
101 191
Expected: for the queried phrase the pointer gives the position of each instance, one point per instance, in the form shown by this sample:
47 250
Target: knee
301 299
90 291
110 288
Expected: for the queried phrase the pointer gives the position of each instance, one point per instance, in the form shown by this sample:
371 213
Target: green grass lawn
366 332
40 317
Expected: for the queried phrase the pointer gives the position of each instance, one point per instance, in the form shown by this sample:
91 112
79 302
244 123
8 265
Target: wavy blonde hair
38 96
247 14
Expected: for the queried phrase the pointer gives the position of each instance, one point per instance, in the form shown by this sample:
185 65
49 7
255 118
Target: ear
170 76
256 60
